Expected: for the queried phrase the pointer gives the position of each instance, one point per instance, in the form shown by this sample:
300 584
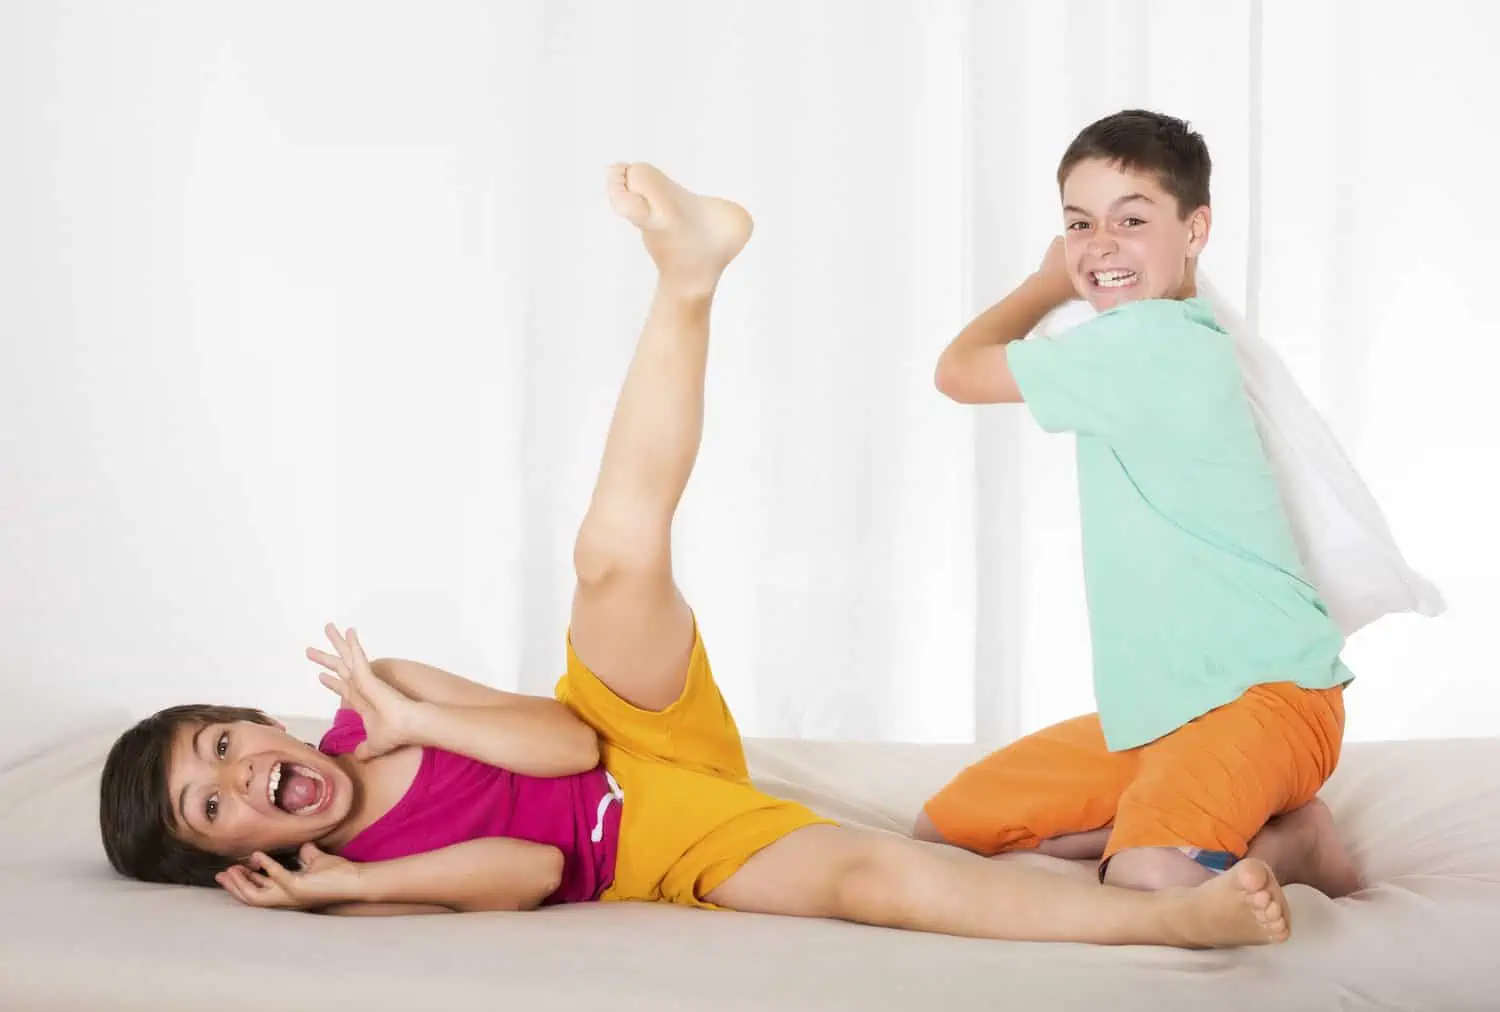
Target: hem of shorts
1127 744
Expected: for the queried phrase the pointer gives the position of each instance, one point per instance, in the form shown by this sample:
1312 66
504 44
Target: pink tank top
454 798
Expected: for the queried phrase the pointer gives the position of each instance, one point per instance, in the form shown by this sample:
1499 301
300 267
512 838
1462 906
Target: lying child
1216 666
435 793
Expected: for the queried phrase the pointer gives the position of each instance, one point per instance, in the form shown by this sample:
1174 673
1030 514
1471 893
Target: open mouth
1113 279
297 789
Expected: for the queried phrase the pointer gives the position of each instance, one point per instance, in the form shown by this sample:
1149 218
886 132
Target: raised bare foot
1303 847
1242 906
691 238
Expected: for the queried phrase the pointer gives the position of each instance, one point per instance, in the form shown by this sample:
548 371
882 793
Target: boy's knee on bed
924 829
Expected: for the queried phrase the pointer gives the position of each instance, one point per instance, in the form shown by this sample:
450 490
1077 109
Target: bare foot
1303 847
690 237
1243 906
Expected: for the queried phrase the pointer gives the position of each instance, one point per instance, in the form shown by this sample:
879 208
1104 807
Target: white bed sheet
1422 817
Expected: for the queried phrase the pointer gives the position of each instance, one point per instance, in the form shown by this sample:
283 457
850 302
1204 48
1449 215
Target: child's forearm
973 369
530 735
434 685
492 873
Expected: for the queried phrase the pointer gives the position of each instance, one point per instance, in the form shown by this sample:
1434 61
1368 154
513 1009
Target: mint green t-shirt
1195 589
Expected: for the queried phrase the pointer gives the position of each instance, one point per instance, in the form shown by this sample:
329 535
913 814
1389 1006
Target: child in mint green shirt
1216 667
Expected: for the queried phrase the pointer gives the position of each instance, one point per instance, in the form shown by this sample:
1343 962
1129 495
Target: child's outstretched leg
876 878
630 624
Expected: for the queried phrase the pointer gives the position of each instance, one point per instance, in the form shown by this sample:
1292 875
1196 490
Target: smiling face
1125 236
238 787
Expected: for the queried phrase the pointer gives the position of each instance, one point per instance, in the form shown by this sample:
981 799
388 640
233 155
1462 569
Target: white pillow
1342 536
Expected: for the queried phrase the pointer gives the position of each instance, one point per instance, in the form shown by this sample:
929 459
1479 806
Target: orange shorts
1210 785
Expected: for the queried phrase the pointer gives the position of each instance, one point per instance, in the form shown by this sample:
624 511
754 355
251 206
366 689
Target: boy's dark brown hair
136 817
1141 141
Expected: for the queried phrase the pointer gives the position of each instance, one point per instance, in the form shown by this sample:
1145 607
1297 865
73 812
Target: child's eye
211 807
1133 222
221 748
1074 226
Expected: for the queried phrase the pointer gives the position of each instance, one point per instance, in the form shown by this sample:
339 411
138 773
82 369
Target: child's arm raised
531 735
973 368
491 873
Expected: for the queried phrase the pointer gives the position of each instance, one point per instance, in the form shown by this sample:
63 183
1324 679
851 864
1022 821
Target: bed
1423 818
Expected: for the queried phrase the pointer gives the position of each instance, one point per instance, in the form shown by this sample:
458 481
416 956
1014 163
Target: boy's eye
1133 222
1075 226
221 747
211 807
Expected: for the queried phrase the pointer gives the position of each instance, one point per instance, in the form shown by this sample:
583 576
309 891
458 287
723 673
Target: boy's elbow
947 377
954 381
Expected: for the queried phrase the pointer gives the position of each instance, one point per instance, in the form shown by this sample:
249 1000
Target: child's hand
385 711
323 880
1052 277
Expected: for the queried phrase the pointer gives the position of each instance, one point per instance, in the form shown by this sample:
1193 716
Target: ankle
1178 916
687 290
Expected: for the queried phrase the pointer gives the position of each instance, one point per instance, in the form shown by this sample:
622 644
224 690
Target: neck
349 827
1189 287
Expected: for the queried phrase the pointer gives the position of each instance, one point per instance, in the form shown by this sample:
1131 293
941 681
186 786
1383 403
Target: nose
244 775
1102 243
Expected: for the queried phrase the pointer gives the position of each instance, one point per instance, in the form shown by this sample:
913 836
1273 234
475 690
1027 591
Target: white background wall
314 311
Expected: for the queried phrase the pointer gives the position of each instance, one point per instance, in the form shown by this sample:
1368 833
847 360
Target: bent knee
926 830
605 552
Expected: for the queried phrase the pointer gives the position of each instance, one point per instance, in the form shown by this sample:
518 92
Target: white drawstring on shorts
615 794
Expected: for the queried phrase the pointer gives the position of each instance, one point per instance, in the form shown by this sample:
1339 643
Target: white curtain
315 311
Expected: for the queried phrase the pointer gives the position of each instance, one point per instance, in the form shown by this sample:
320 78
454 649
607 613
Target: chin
1112 298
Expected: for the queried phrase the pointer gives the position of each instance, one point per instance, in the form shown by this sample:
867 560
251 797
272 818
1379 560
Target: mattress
1423 818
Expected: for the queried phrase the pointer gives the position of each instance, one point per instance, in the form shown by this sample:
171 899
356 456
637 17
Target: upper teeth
1113 279
273 782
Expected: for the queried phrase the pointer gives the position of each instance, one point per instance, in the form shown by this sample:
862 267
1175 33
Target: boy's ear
1199 224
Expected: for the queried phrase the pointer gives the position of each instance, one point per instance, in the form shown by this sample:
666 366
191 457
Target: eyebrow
182 794
1122 200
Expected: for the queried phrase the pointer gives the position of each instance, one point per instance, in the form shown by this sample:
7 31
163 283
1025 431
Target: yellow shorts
690 816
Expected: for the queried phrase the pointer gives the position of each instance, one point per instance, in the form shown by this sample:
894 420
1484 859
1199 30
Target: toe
1253 875
626 203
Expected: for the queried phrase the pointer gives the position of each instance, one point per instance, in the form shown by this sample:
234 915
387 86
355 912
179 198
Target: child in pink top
454 798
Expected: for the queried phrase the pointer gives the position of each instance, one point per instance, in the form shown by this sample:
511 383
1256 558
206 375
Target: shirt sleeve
347 732
1112 376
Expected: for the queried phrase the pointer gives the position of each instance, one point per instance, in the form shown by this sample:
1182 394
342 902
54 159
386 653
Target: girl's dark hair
136 817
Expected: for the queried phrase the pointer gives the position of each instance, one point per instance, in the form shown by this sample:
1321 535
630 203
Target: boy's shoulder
1154 314
1184 329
